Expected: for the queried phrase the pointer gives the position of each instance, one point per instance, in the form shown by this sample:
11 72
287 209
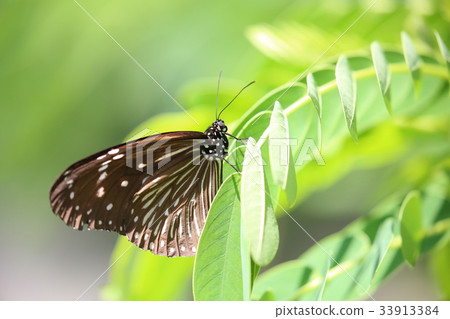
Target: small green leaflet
411 226
347 91
258 218
383 75
413 61
281 162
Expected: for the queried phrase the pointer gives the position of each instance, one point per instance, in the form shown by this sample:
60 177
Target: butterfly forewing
156 190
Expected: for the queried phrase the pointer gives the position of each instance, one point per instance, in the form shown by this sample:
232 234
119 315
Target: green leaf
374 258
444 51
316 98
413 61
258 219
280 153
411 226
347 91
279 146
383 75
218 268
314 94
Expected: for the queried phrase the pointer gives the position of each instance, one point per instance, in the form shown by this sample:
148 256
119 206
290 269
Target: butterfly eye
224 128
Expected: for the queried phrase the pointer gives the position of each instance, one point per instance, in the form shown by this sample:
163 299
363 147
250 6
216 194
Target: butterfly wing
156 190
168 217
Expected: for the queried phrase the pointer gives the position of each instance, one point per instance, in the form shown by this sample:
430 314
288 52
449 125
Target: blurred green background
67 90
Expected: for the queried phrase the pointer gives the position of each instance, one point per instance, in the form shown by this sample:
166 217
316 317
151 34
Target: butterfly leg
232 166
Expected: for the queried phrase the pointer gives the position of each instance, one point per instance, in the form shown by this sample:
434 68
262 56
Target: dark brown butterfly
155 190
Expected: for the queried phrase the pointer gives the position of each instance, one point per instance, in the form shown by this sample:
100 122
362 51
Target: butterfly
156 190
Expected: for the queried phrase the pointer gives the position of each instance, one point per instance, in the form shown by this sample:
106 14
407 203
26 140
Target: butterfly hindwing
169 216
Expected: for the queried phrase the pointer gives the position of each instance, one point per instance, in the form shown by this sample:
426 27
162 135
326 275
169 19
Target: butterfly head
220 126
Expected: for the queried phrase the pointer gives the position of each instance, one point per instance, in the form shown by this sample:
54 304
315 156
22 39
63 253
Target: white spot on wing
110 205
103 176
124 183
161 243
101 192
101 157
118 156
72 195
113 151
102 168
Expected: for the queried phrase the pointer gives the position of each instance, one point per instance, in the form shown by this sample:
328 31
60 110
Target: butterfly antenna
217 93
235 97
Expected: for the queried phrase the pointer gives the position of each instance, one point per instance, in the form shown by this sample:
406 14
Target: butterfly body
156 190
216 145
